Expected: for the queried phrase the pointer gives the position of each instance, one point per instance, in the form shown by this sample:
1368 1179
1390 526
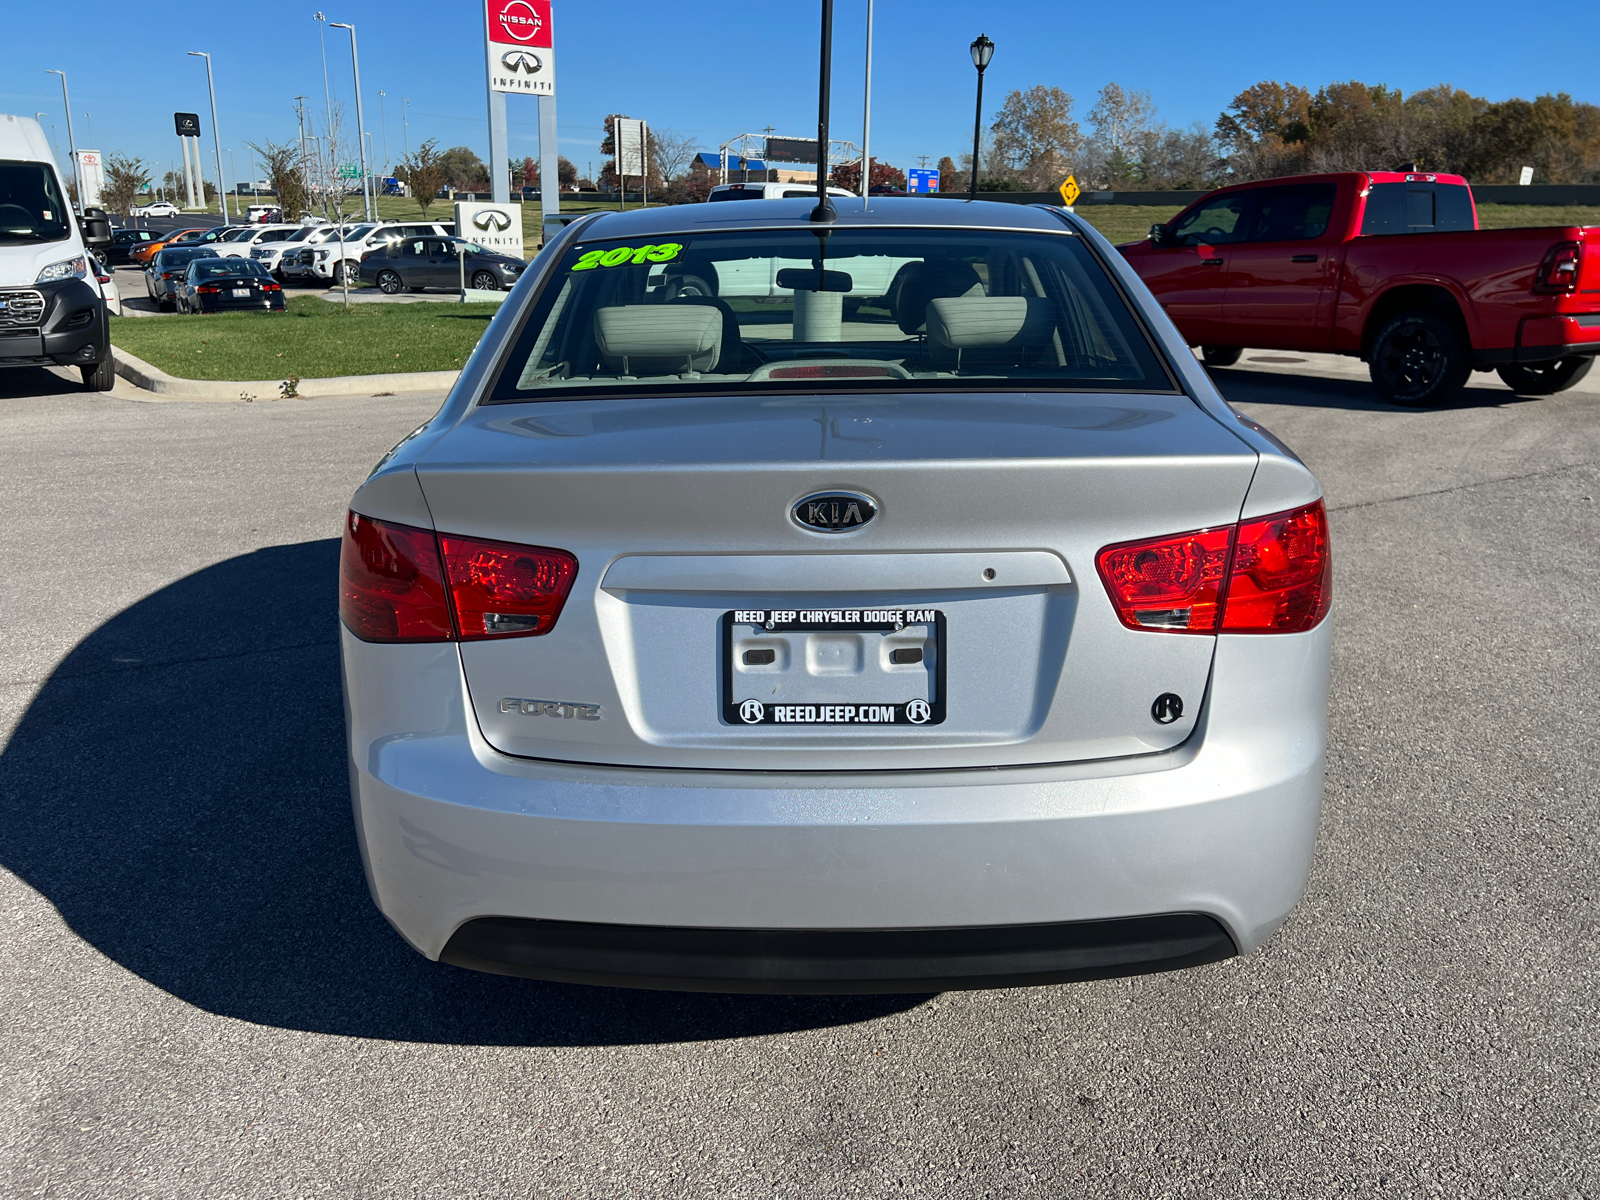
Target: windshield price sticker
617 255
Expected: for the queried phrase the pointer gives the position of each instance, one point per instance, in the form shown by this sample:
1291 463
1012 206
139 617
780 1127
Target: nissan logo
834 512
492 218
521 60
524 24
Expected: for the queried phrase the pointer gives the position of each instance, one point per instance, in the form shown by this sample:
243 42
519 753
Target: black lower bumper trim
835 961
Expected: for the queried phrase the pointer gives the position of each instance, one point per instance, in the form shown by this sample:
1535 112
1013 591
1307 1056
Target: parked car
165 274
326 254
263 214
273 253
1018 675
420 263
145 251
106 278
240 242
1387 266
228 285
158 208
125 240
52 310
770 191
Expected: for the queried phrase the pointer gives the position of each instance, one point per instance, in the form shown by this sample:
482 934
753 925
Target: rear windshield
754 193
176 256
856 310
219 268
31 209
1418 208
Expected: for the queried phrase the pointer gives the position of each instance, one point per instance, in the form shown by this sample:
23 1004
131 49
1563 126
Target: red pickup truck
1388 266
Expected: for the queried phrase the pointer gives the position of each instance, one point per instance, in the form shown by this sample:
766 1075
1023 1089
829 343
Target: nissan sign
521 51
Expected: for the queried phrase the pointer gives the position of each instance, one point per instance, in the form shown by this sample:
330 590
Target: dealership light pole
982 52
361 127
866 116
405 124
234 167
216 134
327 91
72 145
383 123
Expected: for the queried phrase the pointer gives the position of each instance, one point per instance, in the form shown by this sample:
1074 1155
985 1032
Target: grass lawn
314 339
1523 216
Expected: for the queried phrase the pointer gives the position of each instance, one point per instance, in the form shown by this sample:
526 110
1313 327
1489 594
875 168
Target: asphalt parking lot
200 1000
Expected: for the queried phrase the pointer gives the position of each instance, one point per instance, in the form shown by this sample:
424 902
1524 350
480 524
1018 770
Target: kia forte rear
883 604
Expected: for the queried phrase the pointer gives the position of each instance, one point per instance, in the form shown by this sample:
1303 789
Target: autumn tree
848 176
285 175
423 172
1266 111
1036 137
125 179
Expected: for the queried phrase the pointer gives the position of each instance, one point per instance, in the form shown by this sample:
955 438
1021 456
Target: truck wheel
1546 379
389 283
1220 356
101 377
1419 359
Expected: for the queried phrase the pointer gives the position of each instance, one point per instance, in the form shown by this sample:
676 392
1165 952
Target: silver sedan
880 604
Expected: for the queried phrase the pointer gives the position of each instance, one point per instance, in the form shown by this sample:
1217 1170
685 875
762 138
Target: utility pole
72 145
383 122
216 136
327 91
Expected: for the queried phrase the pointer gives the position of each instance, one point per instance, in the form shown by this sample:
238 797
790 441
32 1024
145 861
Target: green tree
285 175
1036 137
125 179
423 172
463 169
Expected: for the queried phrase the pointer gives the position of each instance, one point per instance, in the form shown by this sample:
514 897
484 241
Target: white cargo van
52 311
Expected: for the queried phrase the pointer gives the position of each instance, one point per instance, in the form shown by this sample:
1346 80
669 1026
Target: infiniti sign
521 60
497 227
496 219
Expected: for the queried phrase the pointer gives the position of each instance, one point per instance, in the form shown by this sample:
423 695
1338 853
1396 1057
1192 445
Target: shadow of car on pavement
1242 385
178 790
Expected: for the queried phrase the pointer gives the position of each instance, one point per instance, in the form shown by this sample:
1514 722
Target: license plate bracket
852 667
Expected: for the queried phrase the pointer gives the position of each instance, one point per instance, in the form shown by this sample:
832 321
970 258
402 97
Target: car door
1188 271
1280 278
442 268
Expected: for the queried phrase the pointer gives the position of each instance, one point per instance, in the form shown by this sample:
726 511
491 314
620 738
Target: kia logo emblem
521 60
492 218
520 21
834 512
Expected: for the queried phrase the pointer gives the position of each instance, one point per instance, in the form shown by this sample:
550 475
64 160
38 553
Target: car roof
853 213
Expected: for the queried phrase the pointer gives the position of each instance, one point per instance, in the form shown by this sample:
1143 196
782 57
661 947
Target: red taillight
1559 270
1266 575
1171 583
505 590
1282 576
269 287
391 584
208 289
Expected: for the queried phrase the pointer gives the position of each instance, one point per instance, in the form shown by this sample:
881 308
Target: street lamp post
361 128
982 52
405 124
234 167
866 115
87 121
383 123
72 145
216 134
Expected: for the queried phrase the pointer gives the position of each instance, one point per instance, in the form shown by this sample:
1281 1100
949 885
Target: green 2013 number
617 255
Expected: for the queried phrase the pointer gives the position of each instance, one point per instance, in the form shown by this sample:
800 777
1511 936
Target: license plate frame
241 293
867 712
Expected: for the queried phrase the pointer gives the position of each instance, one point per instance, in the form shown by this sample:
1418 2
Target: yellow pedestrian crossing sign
1070 191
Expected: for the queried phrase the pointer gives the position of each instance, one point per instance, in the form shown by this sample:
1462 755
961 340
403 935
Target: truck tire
1419 359
1220 356
101 377
1546 379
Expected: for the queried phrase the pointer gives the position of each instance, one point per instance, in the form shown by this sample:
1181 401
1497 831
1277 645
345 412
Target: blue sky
716 68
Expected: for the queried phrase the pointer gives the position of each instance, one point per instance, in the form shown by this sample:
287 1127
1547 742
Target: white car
771 191
320 257
241 242
272 254
107 279
161 208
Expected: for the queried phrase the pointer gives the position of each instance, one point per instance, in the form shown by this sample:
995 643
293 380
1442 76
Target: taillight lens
208 289
1559 270
504 590
1171 583
270 287
391 583
1282 575
1270 574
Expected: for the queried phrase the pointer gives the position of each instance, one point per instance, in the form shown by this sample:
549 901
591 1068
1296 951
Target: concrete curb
152 379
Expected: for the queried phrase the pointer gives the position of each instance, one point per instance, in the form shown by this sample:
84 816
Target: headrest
927 280
970 322
658 339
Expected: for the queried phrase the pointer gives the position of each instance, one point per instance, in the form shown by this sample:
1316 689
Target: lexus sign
521 50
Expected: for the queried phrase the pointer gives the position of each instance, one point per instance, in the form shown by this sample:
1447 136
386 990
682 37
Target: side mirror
1158 235
96 227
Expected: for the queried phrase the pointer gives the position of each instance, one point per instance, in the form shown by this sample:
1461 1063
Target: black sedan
123 241
228 285
166 271
435 262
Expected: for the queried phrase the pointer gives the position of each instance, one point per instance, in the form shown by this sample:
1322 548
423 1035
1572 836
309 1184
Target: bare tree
1121 118
674 152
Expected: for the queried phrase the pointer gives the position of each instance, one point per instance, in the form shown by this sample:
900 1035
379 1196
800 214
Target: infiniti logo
521 60
492 218
835 512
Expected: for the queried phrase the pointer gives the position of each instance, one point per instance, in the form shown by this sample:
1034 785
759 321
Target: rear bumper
1544 339
749 881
